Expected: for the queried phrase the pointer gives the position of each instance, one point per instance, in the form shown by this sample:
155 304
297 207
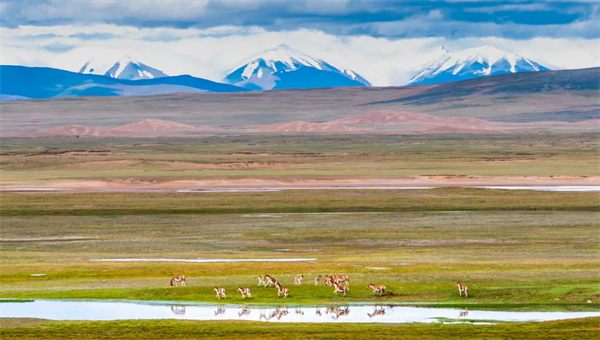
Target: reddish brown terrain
401 117
300 126
81 131
161 125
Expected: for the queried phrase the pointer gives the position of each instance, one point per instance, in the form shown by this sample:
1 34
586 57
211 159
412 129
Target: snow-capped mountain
124 68
472 63
284 67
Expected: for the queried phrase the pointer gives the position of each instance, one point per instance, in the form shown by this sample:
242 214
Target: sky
385 41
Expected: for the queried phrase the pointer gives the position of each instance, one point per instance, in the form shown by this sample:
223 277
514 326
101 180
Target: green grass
170 329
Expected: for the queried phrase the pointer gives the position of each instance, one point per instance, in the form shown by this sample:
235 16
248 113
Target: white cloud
210 53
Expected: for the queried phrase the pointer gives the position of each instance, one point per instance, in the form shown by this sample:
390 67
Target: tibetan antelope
462 289
261 281
317 279
178 278
337 279
377 311
270 281
244 291
282 290
220 292
377 289
298 280
340 289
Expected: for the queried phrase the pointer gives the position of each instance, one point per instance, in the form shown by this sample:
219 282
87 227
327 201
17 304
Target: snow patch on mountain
124 68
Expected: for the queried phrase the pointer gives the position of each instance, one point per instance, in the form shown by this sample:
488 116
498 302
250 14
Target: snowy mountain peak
125 68
472 63
270 69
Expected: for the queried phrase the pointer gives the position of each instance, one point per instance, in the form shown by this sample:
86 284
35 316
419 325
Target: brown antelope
261 281
317 279
377 289
377 311
340 289
298 280
462 289
337 279
220 292
178 278
282 290
270 281
244 291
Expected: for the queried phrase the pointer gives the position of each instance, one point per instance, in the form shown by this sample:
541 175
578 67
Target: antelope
244 291
261 280
377 289
338 279
270 281
462 289
220 292
282 290
340 289
298 280
317 279
377 311
178 278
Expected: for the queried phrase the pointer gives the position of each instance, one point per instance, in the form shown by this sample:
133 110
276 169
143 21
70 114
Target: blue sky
383 40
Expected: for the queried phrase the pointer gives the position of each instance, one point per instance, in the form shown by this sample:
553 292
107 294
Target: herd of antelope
334 280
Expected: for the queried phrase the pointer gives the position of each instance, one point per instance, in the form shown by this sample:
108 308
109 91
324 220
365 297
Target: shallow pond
357 313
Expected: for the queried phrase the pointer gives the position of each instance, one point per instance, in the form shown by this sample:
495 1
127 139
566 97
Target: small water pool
349 313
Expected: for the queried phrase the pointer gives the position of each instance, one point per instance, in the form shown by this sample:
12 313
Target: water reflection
245 311
178 309
220 310
464 313
377 310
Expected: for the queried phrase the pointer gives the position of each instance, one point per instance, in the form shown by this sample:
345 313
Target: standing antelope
220 292
270 281
317 279
340 289
377 289
282 290
338 279
178 278
244 291
261 281
462 289
298 280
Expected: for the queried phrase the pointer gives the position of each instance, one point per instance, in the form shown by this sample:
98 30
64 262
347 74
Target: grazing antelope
261 281
377 311
244 291
377 289
282 290
298 280
178 278
338 279
317 279
220 292
340 289
462 289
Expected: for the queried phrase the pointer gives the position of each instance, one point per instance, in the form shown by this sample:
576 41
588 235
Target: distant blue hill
21 82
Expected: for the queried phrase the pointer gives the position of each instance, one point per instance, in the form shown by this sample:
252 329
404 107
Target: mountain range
124 68
286 68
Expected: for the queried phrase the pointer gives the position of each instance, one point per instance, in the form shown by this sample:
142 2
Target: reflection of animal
377 289
282 290
340 289
377 311
279 313
298 280
244 291
179 310
318 311
462 289
245 311
220 293
261 281
220 310
339 312
330 280
178 278
299 311
464 313
317 279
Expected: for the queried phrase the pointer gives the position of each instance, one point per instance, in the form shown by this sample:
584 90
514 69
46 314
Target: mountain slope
286 68
43 82
473 63
125 68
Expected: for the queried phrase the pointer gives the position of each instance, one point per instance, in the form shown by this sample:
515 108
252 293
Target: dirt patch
300 126
149 125
231 165
402 117
71 153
